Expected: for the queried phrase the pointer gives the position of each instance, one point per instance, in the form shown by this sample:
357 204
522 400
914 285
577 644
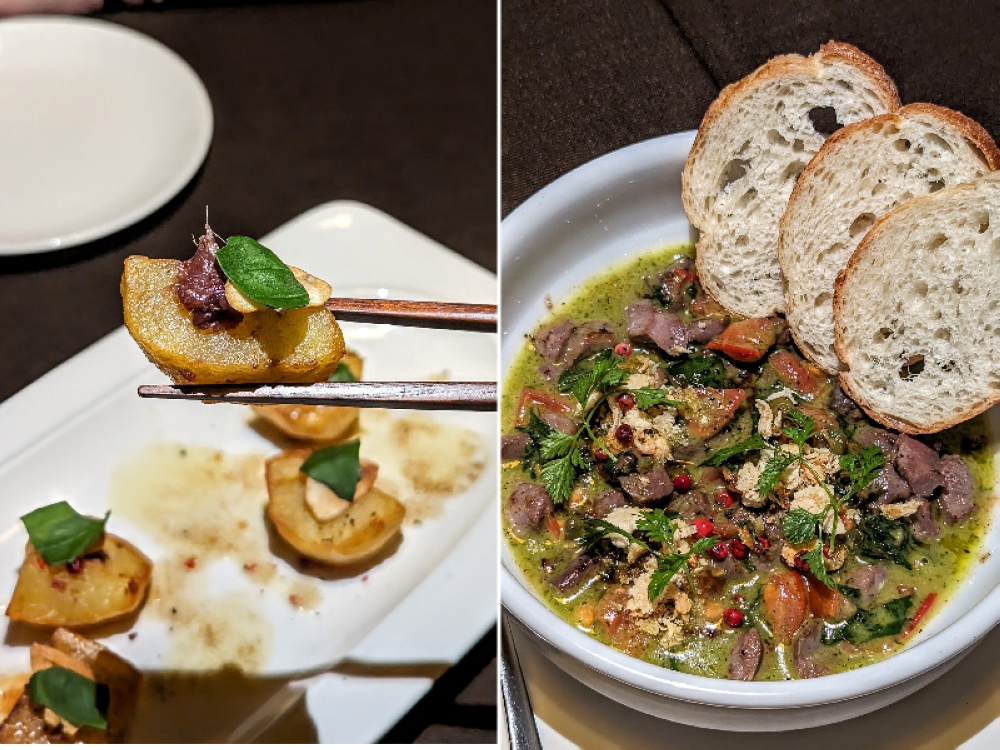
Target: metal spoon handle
521 726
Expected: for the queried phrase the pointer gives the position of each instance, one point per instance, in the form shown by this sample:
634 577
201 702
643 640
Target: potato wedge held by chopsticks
360 531
268 346
315 424
108 583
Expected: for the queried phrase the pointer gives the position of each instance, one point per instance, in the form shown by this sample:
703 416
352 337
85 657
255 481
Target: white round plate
99 127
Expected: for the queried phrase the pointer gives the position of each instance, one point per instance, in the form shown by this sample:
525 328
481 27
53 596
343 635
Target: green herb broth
939 567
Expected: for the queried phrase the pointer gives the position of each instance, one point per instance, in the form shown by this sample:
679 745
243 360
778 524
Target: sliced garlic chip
319 292
325 504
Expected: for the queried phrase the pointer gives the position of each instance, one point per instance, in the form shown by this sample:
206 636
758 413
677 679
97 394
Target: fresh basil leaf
338 467
752 443
60 534
799 526
260 275
342 374
882 538
74 698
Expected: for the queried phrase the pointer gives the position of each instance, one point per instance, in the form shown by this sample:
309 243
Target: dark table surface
585 77
388 103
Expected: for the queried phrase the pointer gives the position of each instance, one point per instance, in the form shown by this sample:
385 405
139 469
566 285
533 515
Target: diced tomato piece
795 374
747 340
702 306
786 601
622 630
555 528
711 409
532 397
824 419
827 603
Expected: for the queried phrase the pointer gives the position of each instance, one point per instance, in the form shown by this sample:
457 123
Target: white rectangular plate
66 436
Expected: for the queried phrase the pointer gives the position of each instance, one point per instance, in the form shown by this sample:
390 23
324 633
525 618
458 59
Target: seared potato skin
292 346
356 534
316 424
102 590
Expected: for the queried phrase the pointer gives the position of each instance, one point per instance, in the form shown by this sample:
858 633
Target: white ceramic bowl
614 208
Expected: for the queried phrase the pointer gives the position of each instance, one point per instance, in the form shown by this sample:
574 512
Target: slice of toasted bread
754 142
861 173
917 310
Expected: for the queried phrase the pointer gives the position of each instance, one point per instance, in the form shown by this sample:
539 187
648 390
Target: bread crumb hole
901 144
936 242
912 367
935 185
742 241
882 335
862 224
793 170
822 299
734 170
957 286
798 146
943 333
773 136
891 129
824 120
938 141
920 287
984 221
747 198
878 189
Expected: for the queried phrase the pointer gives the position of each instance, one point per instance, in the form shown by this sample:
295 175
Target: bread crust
782 65
969 129
865 248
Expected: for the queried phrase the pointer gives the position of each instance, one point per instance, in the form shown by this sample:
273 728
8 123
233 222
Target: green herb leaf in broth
867 625
657 525
558 476
814 558
647 398
802 428
701 370
666 568
556 445
336 466
753 443
773 469
799 526
60 534
862 467
881 538
76 699
260 274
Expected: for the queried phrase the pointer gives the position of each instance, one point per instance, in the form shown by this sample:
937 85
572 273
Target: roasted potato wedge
291 346
111 582
28 723
364 528
315 424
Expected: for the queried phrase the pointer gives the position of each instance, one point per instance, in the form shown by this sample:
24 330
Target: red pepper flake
294 599
41 563
555 528
249 567
190 563
364 578
58 585
919 615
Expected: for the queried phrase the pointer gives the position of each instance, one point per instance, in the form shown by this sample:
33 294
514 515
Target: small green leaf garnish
862 466
647 398
74 698
882 538
802 428
814 558
556 444
660 529
342 374
657 525
598 373
799 526
773 469
337 466
558 476
260 274
753 443
878 622
60 534
705 371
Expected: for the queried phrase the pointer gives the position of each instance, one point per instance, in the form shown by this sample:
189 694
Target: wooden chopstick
404 395
455 316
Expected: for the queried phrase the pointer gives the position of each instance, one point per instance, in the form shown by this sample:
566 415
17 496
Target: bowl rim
535 215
